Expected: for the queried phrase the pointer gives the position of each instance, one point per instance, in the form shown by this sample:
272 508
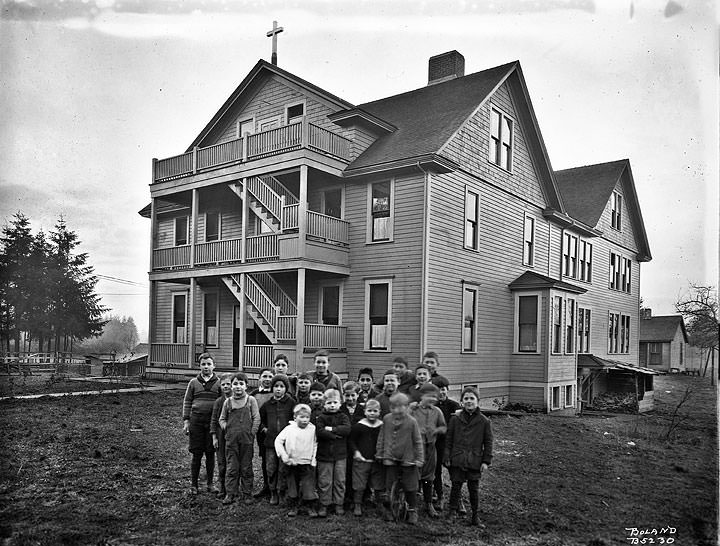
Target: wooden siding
528 366
162 304
270 101
497 263
400 259
470 148
165 229
528 395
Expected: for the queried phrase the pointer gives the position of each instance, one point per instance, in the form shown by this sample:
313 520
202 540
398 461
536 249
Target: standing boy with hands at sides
468 450
218 434
448 406
262 394
296 446
333 429
200 396
362 444
400 448
240 420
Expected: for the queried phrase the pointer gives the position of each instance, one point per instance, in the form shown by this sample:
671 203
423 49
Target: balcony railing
329 228
325 336
175 257
275 141
226 250
263 247
257 356
172 353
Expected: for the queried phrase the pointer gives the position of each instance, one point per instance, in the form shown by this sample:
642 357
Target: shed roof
534 281
596 363
662 328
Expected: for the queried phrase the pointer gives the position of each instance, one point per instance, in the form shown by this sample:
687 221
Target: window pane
212 226
469 311
246 127
379 303
381 197
331 305
179 318
181 230
294 113
495 124
380 211
381 228
210 316
333 203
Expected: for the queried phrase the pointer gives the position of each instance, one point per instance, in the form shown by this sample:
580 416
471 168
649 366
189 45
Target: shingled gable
586 190
427 119
251 82
662 328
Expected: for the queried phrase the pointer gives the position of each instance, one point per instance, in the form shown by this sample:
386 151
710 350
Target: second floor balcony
296 136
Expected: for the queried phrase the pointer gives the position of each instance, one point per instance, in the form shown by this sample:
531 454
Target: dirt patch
113 469
22 385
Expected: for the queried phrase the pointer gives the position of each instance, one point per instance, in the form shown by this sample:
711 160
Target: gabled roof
264 68
535 281
426 118
586 191
662 328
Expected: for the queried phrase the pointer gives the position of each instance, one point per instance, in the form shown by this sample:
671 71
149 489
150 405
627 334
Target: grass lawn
113 469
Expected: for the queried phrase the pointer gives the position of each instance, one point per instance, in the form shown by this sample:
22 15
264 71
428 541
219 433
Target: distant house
428 220
663 342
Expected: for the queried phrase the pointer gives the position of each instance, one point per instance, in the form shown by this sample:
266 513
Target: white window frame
587 324
251 119
620 271
217 318
516 323
585 256
569 330
529 257
476 290
321 296
391 221
551 323
219 215
570 255
295 103
476 246
173 332
570 388
619 336
273 119
187 230
342 199
556 404
499 140
616 209
366 315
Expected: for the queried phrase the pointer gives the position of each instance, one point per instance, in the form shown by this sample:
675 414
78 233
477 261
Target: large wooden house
429 220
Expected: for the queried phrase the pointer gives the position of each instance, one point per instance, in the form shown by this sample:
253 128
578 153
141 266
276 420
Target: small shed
663 342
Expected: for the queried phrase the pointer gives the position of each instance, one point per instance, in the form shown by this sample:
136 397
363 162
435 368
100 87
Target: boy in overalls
240 420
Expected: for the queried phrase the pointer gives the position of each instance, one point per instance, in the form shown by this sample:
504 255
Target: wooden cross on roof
274 32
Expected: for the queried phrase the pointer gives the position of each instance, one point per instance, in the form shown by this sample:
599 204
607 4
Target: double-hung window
569 326
585 266
501 139
210 319
618 333
381 211
529 240
294 112
583 330
616 211
557 315
182 230
378 314
472 211
527 321
469 329
570 248
212 226
179 317
620 273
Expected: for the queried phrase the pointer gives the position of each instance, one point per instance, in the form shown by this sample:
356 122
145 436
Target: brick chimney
645 313
445 66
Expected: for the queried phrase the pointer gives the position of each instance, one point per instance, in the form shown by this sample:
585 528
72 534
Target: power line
118 294
120 281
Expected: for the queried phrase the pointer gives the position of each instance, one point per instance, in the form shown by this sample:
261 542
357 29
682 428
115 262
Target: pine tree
15 286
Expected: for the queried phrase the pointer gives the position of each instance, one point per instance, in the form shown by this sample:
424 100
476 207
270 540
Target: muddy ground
113 469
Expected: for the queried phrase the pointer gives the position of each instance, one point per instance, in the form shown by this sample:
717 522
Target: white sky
91 93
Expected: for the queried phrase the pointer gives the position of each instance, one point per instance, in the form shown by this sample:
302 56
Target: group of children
325 444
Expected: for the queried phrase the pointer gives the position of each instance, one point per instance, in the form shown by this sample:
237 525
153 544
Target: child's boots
293 507
412 516
274 499
312 512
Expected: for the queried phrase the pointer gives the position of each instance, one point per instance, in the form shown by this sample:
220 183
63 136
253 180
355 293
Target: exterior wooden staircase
267 198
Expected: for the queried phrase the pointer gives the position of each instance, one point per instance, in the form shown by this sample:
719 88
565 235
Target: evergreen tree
15 287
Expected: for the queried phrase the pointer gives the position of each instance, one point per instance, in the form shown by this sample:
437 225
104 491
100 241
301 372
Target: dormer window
616 214
501 139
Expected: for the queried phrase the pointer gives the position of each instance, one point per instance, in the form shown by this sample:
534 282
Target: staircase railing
266 196
279 188
273 289
262 302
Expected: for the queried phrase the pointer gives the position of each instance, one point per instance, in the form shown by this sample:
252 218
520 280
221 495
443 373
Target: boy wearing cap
275 414
468 450
431 422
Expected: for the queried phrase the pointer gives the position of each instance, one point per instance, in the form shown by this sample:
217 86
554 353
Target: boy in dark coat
275 414
448 406
200 396
468 450
332 428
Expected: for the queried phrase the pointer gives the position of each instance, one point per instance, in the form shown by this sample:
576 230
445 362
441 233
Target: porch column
241 318
302 211
300 321
191 323
153 213
151 326
193 226
243 225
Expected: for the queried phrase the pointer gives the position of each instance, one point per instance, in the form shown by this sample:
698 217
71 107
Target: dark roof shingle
585 191
661 328
427 117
